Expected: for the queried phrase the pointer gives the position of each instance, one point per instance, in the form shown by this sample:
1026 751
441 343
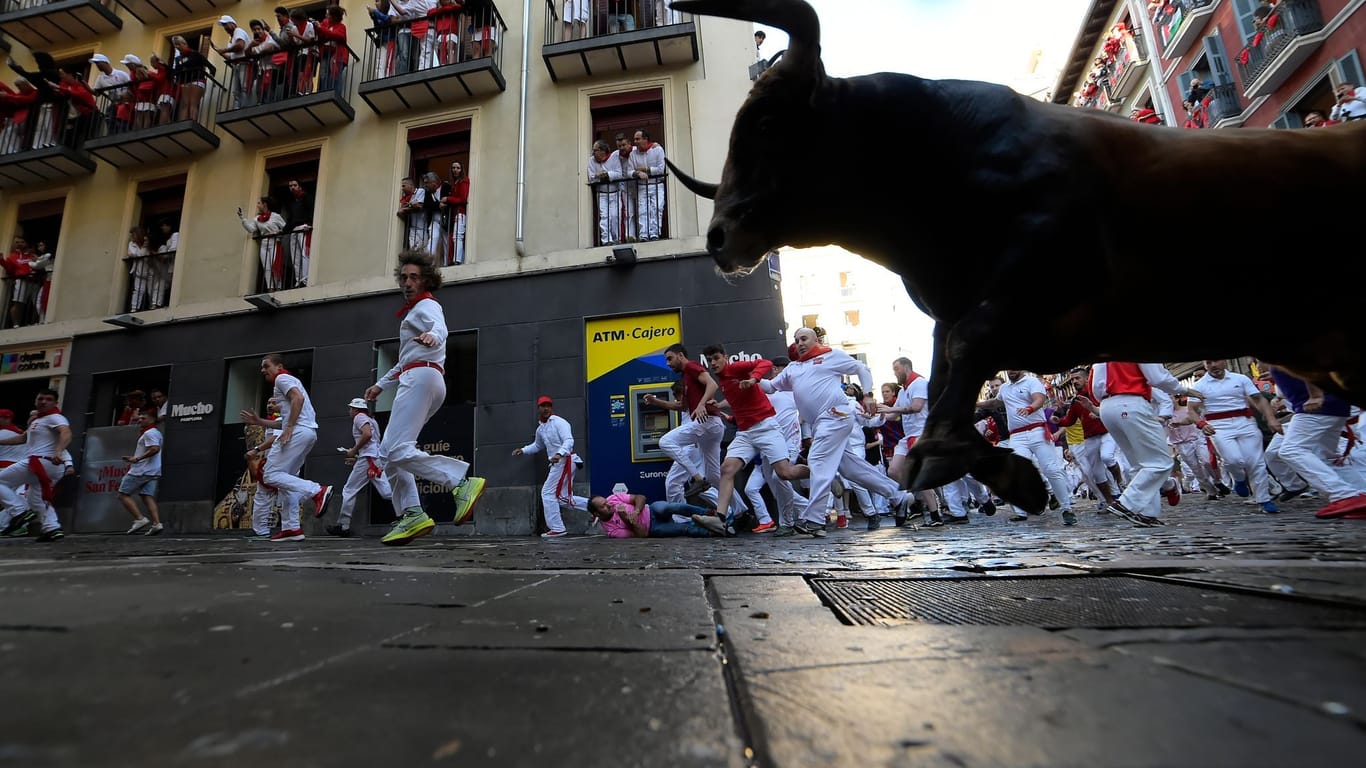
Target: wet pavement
1228 637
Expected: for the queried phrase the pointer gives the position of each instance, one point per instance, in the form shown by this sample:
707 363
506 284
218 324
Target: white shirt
150 466
1015 395
652 159
913 424
271 226
787 418
42 434
612 167
1355 107
238 34
1227 394
552 436
115 77
1165 405
370 449
284 384
817 384
171 245
425 317
13 453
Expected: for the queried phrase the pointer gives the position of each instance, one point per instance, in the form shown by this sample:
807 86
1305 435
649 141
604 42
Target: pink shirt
617 529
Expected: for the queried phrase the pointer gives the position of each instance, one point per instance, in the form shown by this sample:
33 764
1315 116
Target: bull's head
768 188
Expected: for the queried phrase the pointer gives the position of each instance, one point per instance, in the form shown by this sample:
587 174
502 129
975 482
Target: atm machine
648 423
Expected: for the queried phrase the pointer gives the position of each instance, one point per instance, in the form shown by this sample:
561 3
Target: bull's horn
794 17
699 188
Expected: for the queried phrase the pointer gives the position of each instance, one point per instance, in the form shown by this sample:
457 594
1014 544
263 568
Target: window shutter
1218 62
1349 69
1284 121
1243 10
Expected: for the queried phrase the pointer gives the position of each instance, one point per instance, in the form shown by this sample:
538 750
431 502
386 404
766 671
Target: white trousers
706 437
18 475
1194 455
421 391
650 207
1310 443
831 454
1031 445
283 463
456 252
299 247
557 489
1094 457
609 214
957 493
1138 432
1239 443
355 483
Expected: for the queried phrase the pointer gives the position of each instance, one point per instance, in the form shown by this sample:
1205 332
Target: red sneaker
296 534
1343 508
842 521
1174 496
764 527
320 499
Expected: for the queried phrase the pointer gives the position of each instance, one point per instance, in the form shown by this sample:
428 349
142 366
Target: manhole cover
1057 603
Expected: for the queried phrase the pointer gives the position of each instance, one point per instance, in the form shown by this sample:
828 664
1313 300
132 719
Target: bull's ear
794 17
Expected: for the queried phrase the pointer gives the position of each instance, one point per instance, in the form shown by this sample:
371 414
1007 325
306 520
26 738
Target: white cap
99 58
129 58
360 404
227 20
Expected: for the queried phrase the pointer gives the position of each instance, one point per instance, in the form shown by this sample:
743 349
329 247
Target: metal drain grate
1056 603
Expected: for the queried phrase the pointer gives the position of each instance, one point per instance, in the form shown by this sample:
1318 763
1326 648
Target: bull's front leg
950 446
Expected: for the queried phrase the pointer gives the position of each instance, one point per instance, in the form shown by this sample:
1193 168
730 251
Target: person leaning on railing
332 33
266 228
191 71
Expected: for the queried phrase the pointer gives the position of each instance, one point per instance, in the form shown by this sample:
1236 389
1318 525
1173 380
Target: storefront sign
40 361
184 412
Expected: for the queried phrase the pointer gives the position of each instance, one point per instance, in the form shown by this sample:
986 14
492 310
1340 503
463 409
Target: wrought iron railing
278 76
440 232
149 280
25 298
567 20
401 46
629 210
186 96
283 260
52 120
1289 20
1170 16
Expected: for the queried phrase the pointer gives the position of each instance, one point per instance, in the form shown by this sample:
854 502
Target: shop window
245 389
292 185
436 228
636 209
29 263
116 396
152 248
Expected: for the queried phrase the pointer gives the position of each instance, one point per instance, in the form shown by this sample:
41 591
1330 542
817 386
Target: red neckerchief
299 193
407 305
42 413
263 217
546 417
144 429
815 351
912 378
277 374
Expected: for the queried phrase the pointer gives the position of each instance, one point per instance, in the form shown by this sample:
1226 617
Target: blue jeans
662 524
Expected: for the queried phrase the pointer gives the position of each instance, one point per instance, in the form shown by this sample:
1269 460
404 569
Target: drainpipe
519 244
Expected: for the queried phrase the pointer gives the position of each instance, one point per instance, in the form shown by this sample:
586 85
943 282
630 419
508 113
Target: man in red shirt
703 428
757 432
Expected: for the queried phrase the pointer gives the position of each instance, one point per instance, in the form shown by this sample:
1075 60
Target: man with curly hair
421 378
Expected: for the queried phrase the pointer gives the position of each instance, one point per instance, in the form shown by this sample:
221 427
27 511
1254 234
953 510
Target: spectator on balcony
267 228
82 105
133 404
299 219
1315 119
160 72
759 38
1197 92
1145 115
576 19
410 204
1351 102
414 45
235 54
18 266
169 243
620 18
144 90
302 33
141 269
647 167
453 206
445 19
604 174
426 223
627 187
382 15
107 82
335 54
42 275
190 73
264 70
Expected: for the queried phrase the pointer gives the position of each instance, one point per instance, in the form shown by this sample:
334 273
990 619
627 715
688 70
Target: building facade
326 125
1215 63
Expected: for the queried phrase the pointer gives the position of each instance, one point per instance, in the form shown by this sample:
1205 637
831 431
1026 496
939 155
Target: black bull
1040 236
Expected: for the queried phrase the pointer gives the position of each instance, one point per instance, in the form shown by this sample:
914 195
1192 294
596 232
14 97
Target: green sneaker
784 530
414 524
466 494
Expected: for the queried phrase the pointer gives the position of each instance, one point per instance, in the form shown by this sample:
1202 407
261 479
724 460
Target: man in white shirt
604 169
144 472
363 456
1226 416
48 435
555 439
913 406
646 167
108 78
1351 102
298 425
234 53
1023 397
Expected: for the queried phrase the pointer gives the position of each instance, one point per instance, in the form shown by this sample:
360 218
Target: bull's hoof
1013 478
933 463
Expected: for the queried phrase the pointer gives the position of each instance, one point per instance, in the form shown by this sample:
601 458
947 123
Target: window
150 251
1244 9
34 245
198 39
247 390
284 257
433 228
846 284
78 65
810 321
115 397
1349 69
851 318
636 209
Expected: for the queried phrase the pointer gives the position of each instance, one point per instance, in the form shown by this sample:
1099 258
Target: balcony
46 24
1129 67
42 143
1292 34
629 211
126 137
1178 30
1220 108
441 233
617 36
457 58
283 260
149 281
284 93
25 296
150 11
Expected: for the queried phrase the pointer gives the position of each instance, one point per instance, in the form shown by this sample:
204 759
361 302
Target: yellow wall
356 232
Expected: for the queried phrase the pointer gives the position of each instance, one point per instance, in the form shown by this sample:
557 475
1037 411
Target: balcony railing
283 260
1223 103
1280 46
281 93
1178 24
629 210
614 36
44 25
139 123
441 59
149 280
25 299
41 142
1129 65
441 233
